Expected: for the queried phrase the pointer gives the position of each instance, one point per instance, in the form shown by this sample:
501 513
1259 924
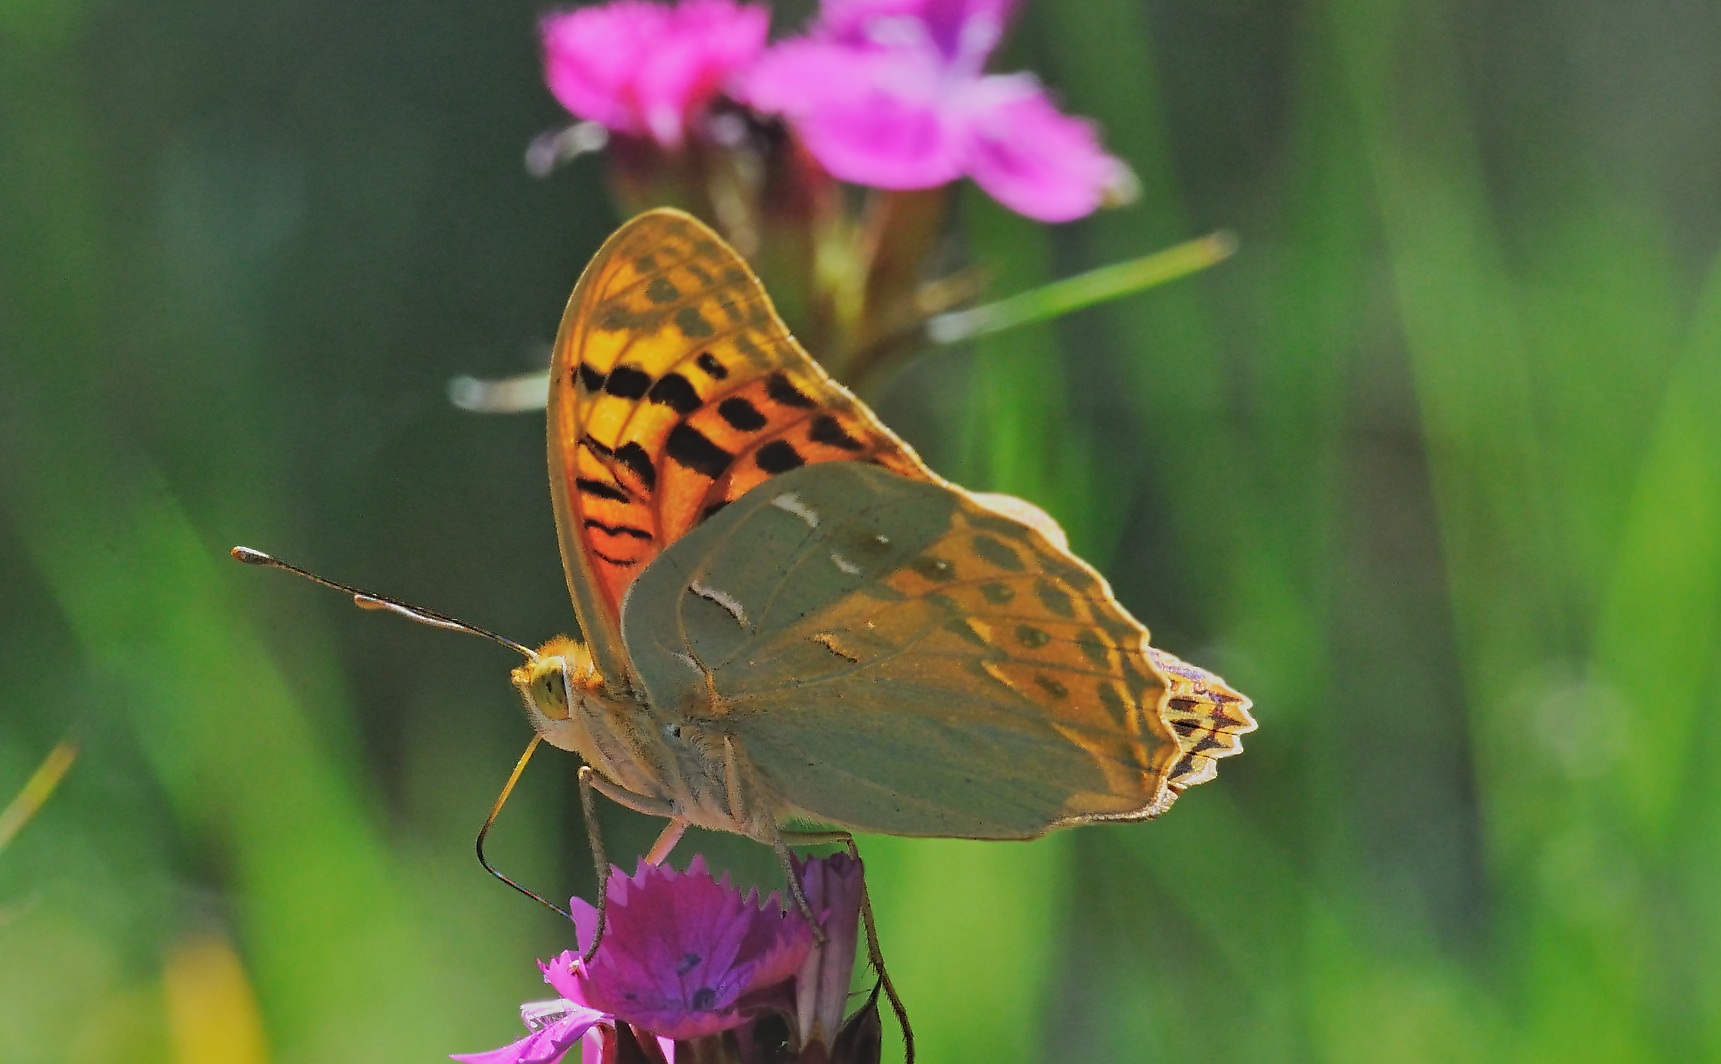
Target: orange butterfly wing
674 389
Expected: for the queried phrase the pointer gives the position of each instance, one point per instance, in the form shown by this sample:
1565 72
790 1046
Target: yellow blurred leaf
212 1015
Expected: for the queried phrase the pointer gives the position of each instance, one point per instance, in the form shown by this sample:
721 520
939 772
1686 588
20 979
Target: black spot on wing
1050 686
676 392
600 490
732 310
830 432
1068 570
1094 647
713 368
784 393
632 455
617 316
751 351
627 382
695 450
1055 598
997 552
693 325
590 378
661 290
997 594
618 530
778 456
741 414
1120 630
1031 637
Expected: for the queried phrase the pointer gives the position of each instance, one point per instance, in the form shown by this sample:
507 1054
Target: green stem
1083 290
35 793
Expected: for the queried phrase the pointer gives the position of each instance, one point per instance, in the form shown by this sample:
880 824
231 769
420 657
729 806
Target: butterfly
791 628
788 619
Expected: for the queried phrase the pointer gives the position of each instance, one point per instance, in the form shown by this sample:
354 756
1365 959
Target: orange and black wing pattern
1208 718
675 388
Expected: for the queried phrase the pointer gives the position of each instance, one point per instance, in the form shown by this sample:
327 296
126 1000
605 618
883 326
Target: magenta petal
1031 157
585 916
954 27
682 950
870 117
645 69
560 974
833 887
541 1047
508 1054
590 56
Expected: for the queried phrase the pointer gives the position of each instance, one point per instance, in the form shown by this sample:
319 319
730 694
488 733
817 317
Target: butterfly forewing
891 656
675 389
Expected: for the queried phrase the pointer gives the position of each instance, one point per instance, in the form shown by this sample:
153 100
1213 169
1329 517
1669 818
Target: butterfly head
556 683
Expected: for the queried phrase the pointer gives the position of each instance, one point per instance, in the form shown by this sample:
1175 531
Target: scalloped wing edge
1207 716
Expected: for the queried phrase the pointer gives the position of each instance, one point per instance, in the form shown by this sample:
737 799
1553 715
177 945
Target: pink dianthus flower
893 94
648 69
685 956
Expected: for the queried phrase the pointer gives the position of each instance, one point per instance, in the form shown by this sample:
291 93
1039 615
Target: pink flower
833 888
892 94
685 955
555 1026
647 69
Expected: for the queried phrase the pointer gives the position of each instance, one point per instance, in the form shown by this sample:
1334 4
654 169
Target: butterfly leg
591 785
600 861
666 841
787 860
874 954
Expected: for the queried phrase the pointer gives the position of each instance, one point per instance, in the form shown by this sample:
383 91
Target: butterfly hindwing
1208 718
892 656
674 390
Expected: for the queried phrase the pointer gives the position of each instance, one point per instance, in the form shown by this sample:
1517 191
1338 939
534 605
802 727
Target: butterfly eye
544 687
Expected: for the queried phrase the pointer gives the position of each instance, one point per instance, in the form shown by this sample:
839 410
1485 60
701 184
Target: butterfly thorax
686 767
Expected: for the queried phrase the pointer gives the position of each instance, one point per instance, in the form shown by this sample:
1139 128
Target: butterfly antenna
365 600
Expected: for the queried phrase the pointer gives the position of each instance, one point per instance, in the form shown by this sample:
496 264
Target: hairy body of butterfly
788 619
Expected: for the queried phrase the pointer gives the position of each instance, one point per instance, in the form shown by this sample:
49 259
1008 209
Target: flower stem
1083 290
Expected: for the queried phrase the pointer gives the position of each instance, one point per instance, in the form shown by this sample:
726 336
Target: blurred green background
1432 470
